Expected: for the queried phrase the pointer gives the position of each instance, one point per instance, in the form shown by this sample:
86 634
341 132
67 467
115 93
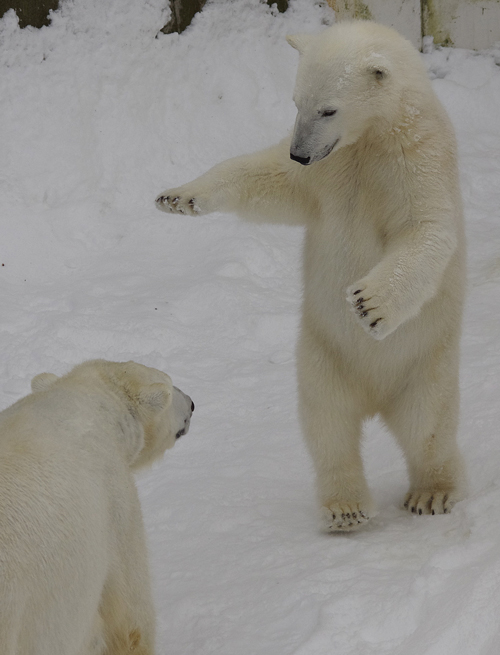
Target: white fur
74 576
384 259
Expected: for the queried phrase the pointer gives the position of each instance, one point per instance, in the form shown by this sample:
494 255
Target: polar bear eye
329 112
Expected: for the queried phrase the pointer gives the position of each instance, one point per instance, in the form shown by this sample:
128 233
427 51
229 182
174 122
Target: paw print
175 202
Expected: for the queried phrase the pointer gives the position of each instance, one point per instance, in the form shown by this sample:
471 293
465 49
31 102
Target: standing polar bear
74 576
371 171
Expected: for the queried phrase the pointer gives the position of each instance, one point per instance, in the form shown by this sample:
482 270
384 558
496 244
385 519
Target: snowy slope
98 116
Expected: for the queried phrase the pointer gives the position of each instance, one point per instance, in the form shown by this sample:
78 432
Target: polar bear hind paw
344 517
428 502
172 202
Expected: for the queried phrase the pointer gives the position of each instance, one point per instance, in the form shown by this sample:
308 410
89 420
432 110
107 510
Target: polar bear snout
183 407
315 135
305 160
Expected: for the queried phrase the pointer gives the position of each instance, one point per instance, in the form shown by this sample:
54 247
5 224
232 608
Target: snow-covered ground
96 117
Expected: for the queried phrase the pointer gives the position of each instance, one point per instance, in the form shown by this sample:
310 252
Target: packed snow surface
99 113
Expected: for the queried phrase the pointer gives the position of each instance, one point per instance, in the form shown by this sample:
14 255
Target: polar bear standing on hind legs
371 170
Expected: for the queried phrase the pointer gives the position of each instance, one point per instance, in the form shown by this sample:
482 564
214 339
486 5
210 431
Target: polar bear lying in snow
74 574
371 171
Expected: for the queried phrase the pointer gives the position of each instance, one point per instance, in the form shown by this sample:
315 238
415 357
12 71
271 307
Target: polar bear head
151 414
352 77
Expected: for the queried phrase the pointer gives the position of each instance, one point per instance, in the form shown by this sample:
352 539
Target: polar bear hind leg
424 418
332 417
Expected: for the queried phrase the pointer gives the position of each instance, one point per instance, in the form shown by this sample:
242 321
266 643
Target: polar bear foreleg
128 620
424 418
332 416
409 275
262 187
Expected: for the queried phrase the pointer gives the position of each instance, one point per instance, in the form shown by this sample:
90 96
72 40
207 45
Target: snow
98 116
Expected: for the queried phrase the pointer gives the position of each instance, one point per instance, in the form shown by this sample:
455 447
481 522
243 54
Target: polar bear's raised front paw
371 311
344 517
174 202
428 502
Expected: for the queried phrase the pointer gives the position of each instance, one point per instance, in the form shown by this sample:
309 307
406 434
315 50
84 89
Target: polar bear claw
370 310
428 502
177 202
343 517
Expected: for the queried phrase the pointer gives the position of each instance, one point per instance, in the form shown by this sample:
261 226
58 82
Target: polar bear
74 574
371 171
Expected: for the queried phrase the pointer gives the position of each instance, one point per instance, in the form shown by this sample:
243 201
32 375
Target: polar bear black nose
302 160
192 406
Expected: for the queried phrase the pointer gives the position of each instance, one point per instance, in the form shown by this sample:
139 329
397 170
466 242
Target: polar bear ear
299 41
156 396
42 381
379 67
